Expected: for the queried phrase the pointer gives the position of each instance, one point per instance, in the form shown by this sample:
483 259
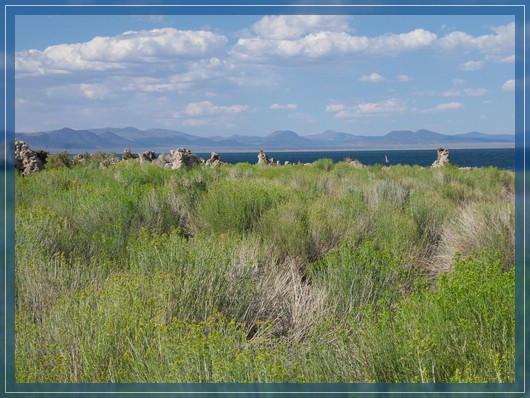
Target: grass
321 273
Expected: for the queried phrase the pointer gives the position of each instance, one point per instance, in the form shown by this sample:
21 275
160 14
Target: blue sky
254 74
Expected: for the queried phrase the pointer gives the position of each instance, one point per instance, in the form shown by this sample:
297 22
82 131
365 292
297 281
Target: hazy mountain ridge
116 139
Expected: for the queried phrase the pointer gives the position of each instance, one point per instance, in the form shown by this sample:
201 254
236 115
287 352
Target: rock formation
183 157
108 161
127 154
81 158
442 158
28 161
262 158
356 164
215 160
147 157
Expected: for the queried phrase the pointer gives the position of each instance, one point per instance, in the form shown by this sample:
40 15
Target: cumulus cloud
471 66
119 52
280 107
391 105
330 43
372 78
509 85
449 106
501 41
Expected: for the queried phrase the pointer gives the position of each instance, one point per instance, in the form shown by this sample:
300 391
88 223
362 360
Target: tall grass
264 274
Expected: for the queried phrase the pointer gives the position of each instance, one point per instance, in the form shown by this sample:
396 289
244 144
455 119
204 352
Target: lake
503 158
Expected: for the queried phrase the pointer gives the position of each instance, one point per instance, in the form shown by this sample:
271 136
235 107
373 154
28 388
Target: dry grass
477 227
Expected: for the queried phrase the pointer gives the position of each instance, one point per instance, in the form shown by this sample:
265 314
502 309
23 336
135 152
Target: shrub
353 278
59 160
460 331
236 207
264 274
323 164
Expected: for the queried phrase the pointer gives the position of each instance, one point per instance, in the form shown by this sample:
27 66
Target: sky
254 74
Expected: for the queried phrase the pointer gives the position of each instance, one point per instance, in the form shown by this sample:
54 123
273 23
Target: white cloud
509 85
372 78
470 66
468 92
308 36
449 106
457 82
119 52
295 26
335 107
94 91
475 92
208 108
326 44
390 105
510 59
287 106
502 41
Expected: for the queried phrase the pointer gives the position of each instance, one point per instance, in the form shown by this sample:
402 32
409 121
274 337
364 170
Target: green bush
59 160
365 276
236 207
323 164
460 331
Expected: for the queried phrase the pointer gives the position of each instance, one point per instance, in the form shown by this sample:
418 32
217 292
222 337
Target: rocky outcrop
28 161
177 159
442 158
164 161
81 158
263 159
127 154
215 160
356 164
183 157
108 161
147 157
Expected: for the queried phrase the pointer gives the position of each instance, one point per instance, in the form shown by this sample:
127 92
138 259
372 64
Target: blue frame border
238 7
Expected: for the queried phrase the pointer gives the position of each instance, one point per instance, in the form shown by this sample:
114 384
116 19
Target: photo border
13 8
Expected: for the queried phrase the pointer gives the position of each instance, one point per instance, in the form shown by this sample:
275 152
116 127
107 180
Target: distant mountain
163 140
69 139
286 140
487 137
331 138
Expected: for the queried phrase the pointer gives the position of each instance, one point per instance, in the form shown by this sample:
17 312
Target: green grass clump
354 278
230 206
321 273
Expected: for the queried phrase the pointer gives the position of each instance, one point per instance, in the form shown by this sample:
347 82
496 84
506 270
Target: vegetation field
244 273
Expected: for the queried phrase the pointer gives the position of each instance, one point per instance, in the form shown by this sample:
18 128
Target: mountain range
163 140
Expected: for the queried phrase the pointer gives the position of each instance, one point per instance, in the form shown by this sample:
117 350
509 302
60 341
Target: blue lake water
502 158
